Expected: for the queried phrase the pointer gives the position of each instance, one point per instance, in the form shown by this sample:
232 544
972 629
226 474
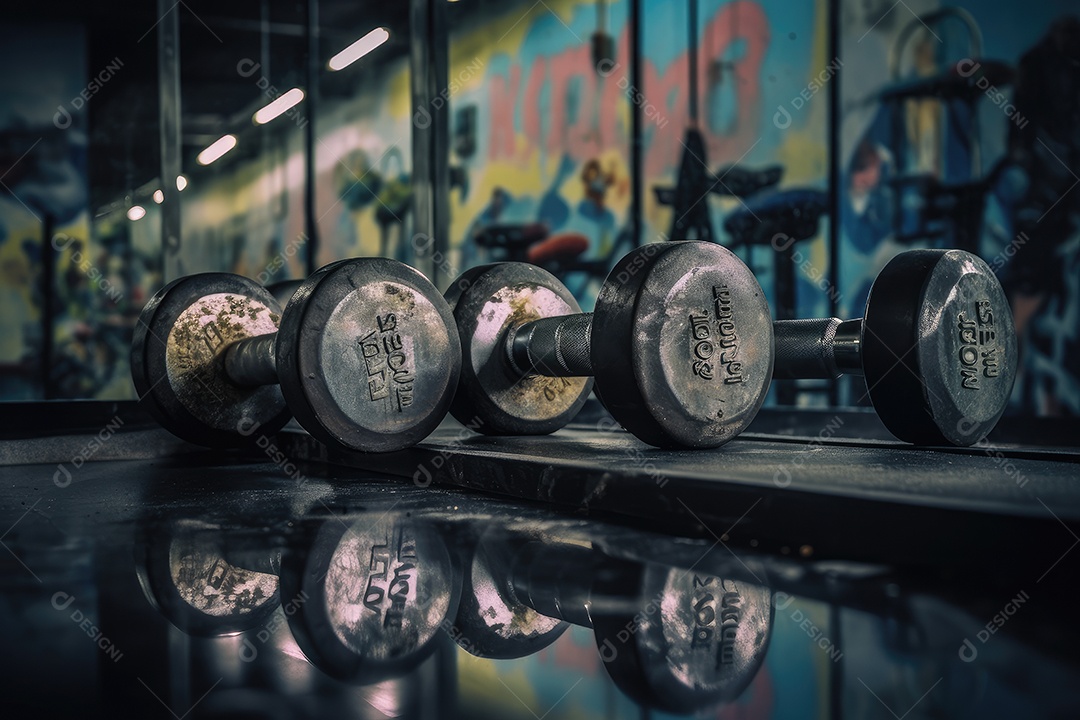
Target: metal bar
553 346
833 142
253 361
692 57
48 304
636 180
555 580
784 297
836 668
311 223
169 129
428 70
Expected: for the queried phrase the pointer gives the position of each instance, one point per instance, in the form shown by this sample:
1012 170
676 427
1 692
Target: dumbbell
372 597
367 357
936 346
680 346
670 638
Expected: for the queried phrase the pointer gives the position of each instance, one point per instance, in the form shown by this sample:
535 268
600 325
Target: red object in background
558 248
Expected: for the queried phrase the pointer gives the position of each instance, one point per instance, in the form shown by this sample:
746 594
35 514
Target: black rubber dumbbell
670 638
366 357
680 346
936 345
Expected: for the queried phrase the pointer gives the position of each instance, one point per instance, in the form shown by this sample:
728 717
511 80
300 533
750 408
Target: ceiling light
278 106
136 212
359 49
218 148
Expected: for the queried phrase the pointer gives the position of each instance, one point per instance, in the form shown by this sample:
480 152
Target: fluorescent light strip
278 106
216 149
359 49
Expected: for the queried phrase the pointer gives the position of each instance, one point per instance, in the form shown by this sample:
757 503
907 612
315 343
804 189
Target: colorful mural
541 136
551 138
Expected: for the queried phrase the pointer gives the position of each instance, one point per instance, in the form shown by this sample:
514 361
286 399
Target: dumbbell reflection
378 593
364 600
670 638
221 584
185 574
491 622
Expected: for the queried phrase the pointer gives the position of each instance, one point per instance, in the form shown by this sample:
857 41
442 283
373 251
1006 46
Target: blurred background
141 141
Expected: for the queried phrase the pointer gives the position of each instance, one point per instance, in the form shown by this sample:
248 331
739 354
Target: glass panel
735 144
79 140
363 152
958 130
242 209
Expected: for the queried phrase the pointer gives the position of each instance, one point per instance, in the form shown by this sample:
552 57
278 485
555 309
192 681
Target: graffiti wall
540 128
541 123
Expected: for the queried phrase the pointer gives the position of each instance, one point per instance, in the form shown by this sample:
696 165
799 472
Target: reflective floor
206 587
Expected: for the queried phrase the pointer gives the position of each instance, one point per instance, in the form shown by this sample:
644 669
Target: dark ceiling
215 98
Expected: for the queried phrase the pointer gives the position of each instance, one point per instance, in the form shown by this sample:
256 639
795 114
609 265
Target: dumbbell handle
553 346
560 582
253 361
822 348
560 347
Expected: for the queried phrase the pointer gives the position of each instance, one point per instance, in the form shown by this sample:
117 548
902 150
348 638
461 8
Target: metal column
168 33
311 223
833 149
428 77
637 207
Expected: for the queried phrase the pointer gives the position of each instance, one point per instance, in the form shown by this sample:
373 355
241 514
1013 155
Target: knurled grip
805 349
253 361
553 347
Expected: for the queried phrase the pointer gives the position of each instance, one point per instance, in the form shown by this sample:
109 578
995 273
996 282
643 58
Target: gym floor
144 575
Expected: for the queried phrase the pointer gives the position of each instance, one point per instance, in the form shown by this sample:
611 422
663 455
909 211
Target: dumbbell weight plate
179 371
938 347
488 301
682 326
369 355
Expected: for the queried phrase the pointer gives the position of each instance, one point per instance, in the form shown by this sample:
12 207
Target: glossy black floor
154 581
